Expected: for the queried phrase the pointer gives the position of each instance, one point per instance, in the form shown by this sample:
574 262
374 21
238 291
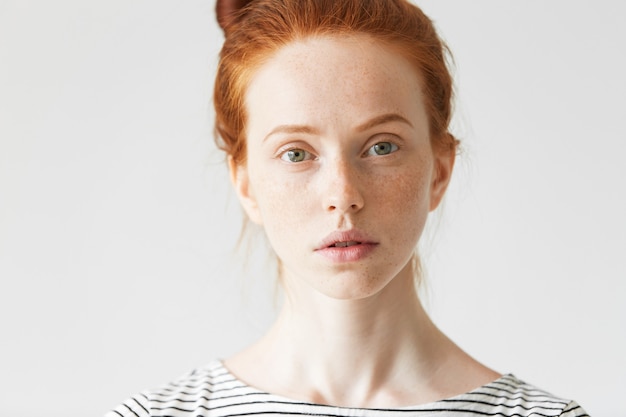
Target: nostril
343 202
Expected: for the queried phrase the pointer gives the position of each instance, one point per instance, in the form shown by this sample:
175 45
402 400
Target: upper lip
344 236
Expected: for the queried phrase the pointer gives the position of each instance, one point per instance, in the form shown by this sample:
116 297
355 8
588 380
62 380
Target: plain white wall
117 225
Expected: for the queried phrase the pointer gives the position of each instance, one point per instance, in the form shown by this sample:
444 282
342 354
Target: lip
365 245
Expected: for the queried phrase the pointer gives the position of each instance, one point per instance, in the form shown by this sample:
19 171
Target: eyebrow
382 119
378 120
292 129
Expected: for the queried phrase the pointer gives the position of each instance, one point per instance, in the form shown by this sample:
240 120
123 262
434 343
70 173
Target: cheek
409 185
282 205
405 202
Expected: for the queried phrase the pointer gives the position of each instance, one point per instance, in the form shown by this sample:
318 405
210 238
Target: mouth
342 247
344 244
345 239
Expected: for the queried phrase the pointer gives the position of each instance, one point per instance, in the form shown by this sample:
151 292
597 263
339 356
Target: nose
343 188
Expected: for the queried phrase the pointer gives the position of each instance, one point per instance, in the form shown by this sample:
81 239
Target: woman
334 116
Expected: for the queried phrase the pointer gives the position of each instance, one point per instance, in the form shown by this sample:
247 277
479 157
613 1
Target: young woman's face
340 171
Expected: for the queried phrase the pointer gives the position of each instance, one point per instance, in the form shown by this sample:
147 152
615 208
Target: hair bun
226 11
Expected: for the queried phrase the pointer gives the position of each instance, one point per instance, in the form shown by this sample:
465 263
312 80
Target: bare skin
352 331
380 352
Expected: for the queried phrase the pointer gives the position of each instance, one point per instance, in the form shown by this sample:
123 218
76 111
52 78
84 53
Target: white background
118 268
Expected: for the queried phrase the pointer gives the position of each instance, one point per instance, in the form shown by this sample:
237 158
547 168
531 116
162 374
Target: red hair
256 29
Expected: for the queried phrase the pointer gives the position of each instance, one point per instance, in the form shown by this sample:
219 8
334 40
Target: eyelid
291 145
297 146
394 140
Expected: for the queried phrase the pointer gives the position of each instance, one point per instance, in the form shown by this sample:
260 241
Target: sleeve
136 406
574 410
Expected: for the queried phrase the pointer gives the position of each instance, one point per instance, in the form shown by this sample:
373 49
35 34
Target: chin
350 282
350 286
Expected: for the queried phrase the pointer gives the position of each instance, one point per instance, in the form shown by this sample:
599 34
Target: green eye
295 155
382 148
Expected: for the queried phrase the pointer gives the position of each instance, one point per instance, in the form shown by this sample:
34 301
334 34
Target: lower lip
349 253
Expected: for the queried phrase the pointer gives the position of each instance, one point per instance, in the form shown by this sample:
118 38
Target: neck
353 336
348 352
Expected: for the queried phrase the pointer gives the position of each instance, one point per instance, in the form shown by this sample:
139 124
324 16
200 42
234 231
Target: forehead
343 77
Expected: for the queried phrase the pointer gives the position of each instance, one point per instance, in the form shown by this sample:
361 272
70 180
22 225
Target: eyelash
394 148
285 154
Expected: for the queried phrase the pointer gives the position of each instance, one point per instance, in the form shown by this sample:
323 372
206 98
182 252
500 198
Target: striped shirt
212 391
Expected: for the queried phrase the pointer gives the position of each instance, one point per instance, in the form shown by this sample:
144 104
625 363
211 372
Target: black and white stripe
213 392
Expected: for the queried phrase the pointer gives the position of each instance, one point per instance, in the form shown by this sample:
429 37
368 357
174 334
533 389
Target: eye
295 155
382 148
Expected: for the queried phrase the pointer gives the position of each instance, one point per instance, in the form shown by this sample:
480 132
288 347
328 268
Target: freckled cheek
284 206
405 191
403 205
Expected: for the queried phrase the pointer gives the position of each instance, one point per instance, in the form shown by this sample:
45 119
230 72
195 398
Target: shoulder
212 389
188 395
508 396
